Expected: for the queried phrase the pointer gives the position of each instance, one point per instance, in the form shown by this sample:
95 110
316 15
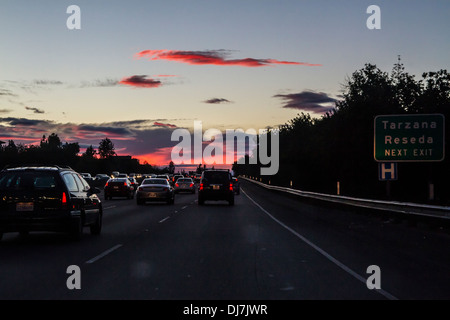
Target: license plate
116 187
25 206
216 187
152 195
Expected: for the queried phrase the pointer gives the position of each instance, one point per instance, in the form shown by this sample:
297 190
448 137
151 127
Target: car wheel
96 228
238 191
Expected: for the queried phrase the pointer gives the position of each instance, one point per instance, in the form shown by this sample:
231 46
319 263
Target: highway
268 246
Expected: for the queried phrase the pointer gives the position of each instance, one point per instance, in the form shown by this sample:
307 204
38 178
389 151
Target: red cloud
211 57
160 124
141 82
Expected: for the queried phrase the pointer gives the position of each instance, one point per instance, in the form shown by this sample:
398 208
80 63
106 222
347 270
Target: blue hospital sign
387 171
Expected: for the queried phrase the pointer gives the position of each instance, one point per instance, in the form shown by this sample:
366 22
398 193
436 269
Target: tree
90 152
171 167
106 149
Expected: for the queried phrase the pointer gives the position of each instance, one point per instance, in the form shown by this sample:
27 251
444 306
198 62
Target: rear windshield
184 180
216 177
155 181
23 180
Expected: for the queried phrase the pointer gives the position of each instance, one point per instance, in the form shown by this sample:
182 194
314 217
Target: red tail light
125 184
191 185
231 187
177 185
64 198
201 186
106 184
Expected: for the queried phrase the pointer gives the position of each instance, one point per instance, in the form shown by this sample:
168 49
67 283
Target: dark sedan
155 189
119 187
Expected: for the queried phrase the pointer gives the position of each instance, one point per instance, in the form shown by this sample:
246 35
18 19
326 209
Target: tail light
125 184
201 186
106 184
177 185
231 187
64 199
191 185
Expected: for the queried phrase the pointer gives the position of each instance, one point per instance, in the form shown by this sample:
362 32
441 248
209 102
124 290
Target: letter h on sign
387 171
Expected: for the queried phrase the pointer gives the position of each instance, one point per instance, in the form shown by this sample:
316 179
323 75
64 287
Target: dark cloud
141 81
5 110
308 101
35 110
217 101
26 122
211 57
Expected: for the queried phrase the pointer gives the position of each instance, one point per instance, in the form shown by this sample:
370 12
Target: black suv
48 198
216 185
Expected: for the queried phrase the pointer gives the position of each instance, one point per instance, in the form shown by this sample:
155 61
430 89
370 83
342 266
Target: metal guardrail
442 212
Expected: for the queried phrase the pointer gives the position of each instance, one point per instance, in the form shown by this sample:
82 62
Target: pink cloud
212 58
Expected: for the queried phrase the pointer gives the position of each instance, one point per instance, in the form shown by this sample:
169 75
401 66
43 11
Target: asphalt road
268 246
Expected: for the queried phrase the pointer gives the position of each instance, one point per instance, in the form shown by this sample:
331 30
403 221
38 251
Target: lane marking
161 221
103 254
182 208
321 251
110 207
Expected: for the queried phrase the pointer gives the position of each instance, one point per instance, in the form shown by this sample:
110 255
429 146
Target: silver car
184 184
155 189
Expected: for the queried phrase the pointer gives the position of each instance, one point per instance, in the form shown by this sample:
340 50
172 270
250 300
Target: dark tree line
316 153
52 151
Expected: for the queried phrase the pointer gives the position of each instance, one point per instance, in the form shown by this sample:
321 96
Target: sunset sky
137 70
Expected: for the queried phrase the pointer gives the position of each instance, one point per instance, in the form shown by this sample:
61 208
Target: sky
136 71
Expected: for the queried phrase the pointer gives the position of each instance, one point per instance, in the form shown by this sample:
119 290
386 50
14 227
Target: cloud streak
308 101
212 57
35 110
140 81
217 101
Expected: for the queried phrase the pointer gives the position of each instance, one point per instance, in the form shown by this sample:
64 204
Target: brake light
191 185
201 186
106 184
231 187
177 185
125 184
64 198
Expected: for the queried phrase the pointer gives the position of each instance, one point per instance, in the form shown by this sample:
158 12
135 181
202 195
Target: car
175 178
115 174
101 179
216 185
118 187
155 189
184 184
162 176
87 176
236 185
122 175
134 183
197 177
48 198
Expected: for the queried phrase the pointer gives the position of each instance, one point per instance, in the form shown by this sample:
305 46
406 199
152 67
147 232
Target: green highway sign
409 138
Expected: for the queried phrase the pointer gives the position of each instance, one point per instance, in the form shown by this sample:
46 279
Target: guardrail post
290 184
338 188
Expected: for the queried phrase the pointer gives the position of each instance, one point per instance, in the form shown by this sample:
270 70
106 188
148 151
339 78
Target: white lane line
110 207
321 251
182 208
103 254
161 221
